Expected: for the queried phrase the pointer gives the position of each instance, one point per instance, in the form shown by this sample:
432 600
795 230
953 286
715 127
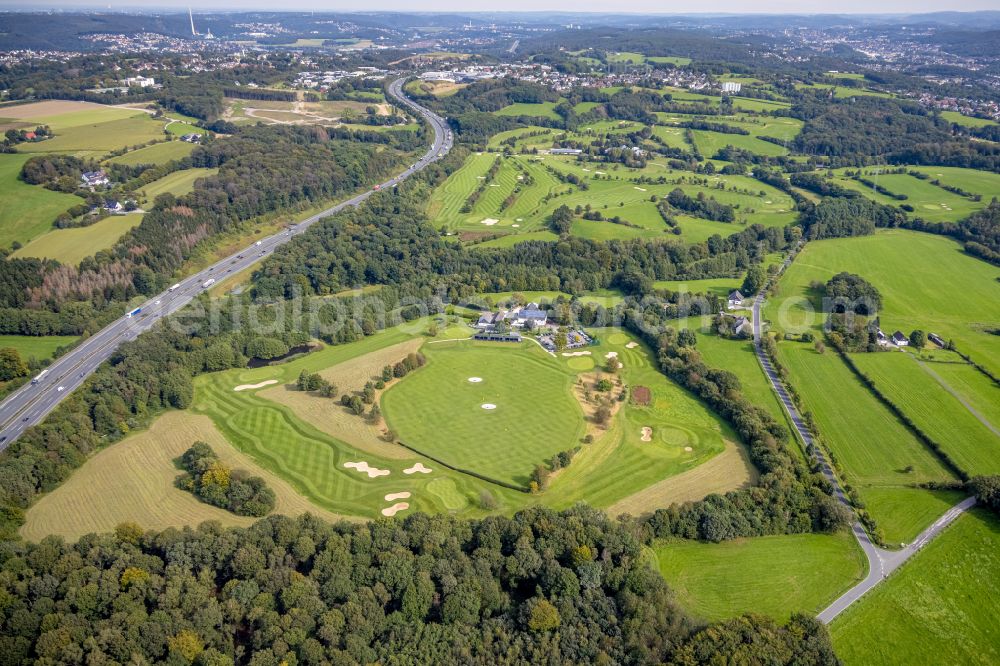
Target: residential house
191 138
742 326
94 179
113 206
936 339
899 339
736 299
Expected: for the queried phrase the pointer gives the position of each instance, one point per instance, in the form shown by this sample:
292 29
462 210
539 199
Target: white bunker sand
611 355
488 405
365 468
250 387
688 449
632 345
489 221
392 497
417 467
391 511
583 353
647 434
475 380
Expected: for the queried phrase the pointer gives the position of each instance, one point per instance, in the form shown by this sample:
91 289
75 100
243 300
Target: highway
881 562
31 403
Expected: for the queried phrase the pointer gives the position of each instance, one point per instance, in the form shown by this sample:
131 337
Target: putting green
581 362
439 412
618 338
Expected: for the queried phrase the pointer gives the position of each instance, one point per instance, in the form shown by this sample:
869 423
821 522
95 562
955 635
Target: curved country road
31 403
881 562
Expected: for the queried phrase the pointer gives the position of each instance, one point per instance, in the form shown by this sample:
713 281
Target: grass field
773 575
90 134
940 608
307 444
71 246
133 480
738 357
709 143
930 202
967 121
26 211
177 183
872 445
611 190
541 110
38 347
159 153
915 387
504 443
959 301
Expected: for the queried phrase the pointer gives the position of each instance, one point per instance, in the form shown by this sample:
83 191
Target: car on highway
61 389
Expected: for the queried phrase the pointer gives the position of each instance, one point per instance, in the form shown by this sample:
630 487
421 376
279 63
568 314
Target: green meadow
926 282
969 438
773 575
39 347
880 456
158 153
940 607
26 211
71 246
541 110
177 183
76 136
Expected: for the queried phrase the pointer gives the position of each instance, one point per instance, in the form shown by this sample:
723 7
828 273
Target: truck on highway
175 287
133 313
208 283
38 378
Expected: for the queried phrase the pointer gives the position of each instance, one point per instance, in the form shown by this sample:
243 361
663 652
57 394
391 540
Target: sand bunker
392 497
601 173
632 345
489 221
583 353
641 189
520 219
365 468
475 380
688 449
417 467
488 405
395 508
515 225
647 434
611 355
248 387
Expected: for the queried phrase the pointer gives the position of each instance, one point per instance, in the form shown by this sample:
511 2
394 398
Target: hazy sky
658 6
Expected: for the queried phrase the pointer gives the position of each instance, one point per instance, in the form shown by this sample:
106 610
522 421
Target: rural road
881 562
31 403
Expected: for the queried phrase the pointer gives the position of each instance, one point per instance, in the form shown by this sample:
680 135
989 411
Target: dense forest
538 588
